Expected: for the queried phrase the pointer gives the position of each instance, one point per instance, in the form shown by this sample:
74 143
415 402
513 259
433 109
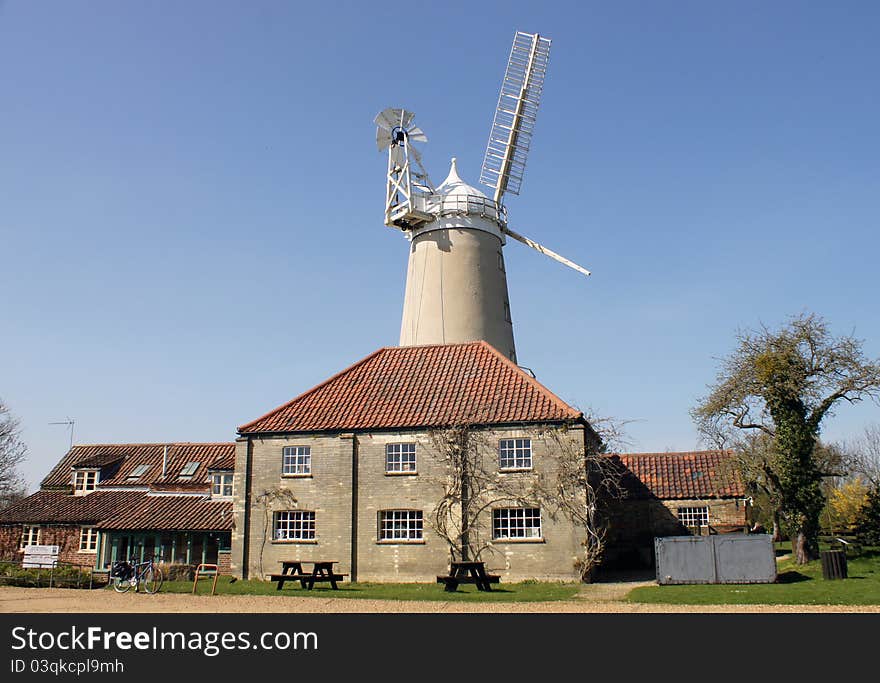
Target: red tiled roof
46 507
693 474
118 460
224 463
99 460
173 513
420 386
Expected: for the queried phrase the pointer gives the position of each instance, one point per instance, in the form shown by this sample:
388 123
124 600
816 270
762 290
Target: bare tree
863 455
12 454
275 497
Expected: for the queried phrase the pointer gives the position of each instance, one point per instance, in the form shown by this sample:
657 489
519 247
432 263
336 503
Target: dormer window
221 485
188 470
138 472
84 481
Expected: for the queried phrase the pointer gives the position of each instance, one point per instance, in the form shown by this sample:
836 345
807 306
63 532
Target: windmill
456 286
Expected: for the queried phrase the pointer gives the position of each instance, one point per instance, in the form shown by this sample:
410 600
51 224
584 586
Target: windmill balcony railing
462 205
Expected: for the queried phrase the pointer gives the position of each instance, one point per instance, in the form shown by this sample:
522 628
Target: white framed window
85 481
296 460
694 516
400 458
88 539
401 525
30 535
221 485
513 523
515 454
294 525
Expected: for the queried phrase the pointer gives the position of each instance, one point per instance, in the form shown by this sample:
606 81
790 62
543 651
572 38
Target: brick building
111 501
357 454
672 494
351 471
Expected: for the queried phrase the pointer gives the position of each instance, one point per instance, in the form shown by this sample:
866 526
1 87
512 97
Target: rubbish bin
833 564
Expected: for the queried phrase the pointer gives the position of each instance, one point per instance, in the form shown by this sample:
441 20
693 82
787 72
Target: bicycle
126 574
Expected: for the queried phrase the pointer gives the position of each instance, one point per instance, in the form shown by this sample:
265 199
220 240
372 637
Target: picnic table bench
468 572
322 570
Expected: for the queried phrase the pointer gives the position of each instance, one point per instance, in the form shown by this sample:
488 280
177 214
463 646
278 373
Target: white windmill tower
456 285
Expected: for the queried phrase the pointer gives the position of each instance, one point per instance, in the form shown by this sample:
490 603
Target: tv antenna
69 422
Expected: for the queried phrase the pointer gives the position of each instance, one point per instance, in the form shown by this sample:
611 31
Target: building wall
67 537
327 492
224 558
725 514
332 491
635 523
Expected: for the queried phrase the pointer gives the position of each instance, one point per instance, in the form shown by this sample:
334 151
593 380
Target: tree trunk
802 549
777 528
465 512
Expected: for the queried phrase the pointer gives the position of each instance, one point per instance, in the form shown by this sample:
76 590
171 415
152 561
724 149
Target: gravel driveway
599 597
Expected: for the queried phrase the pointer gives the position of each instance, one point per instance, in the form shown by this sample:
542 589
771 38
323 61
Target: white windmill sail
504 163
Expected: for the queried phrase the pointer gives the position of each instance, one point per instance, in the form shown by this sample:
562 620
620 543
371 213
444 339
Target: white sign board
36 556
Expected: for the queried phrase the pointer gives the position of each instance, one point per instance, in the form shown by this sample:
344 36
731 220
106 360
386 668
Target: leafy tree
12 454
868 522
783 384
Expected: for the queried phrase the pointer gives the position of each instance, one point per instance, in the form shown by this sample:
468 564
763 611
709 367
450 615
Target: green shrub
178 572
63 576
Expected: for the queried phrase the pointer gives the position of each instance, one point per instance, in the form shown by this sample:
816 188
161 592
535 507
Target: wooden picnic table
468 572
322 570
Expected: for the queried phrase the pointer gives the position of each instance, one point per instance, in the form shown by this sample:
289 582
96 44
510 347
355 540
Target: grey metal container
723 558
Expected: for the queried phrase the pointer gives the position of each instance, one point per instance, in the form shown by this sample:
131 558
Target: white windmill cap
455 186
459 205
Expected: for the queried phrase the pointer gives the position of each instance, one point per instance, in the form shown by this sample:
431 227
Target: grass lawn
504 592
796 585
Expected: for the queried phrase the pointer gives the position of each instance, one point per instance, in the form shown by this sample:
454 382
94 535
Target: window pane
516 523
694 516
400 457
515 453
30 535
401 525
294 525
88 539
296 460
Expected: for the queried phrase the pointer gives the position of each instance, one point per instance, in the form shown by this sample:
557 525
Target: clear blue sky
191 198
